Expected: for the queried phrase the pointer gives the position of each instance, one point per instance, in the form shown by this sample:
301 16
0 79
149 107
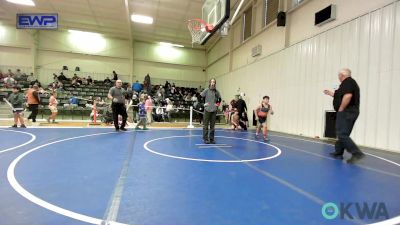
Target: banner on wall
42 21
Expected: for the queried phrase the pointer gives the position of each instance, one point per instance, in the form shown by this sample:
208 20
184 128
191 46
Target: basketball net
197 28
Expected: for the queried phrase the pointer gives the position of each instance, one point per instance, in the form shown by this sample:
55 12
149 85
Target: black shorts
262 120
19 111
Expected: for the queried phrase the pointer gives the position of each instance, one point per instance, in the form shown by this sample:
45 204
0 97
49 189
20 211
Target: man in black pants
117 95
212 98
33 100
346 102
241 107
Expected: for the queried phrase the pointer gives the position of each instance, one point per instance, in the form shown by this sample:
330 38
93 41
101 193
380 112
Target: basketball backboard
216 13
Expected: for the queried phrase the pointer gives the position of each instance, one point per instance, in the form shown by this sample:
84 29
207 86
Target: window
247 21
271 10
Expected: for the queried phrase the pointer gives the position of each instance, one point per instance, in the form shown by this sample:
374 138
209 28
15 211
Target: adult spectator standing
117 95
346 102
32 96
147 81
115 76
137 87
212 99
241 107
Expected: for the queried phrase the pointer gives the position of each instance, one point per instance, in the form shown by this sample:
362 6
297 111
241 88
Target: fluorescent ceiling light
142 19
22 2
87 42
171 45
83 32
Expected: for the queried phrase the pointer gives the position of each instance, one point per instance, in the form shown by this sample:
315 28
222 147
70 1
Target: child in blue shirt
142 115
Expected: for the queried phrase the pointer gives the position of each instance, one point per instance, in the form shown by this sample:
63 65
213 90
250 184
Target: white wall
48 51
56 49
15 48
295 77
301 20
180 65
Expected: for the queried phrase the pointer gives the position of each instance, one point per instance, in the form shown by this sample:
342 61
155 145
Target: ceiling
112 17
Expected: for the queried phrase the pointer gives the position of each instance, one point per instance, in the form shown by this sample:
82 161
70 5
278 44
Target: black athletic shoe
23 126
116 129
212 142
355 158
206 142
123 129
336 155
14 126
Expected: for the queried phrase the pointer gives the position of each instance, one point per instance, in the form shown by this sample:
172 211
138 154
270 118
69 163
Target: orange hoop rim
192 24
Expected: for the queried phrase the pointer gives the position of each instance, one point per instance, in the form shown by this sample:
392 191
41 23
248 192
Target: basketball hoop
197 28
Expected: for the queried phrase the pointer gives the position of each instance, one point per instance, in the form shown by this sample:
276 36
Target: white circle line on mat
26 194
33 138
278 151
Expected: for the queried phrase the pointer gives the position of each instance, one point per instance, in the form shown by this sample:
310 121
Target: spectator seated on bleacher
158 114
36 82
74 101
89 80
188 97
62 77
107 81
30 78
2 76
100 102
194 99
10 73
9 82
17 74
75 82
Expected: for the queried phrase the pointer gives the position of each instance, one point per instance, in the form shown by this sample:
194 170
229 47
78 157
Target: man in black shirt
241 107
115 76
346 102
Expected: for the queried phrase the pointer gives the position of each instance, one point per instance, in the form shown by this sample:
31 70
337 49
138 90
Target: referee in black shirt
346 102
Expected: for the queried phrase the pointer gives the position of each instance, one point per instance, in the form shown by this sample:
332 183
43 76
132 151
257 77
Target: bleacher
98 89
74 112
